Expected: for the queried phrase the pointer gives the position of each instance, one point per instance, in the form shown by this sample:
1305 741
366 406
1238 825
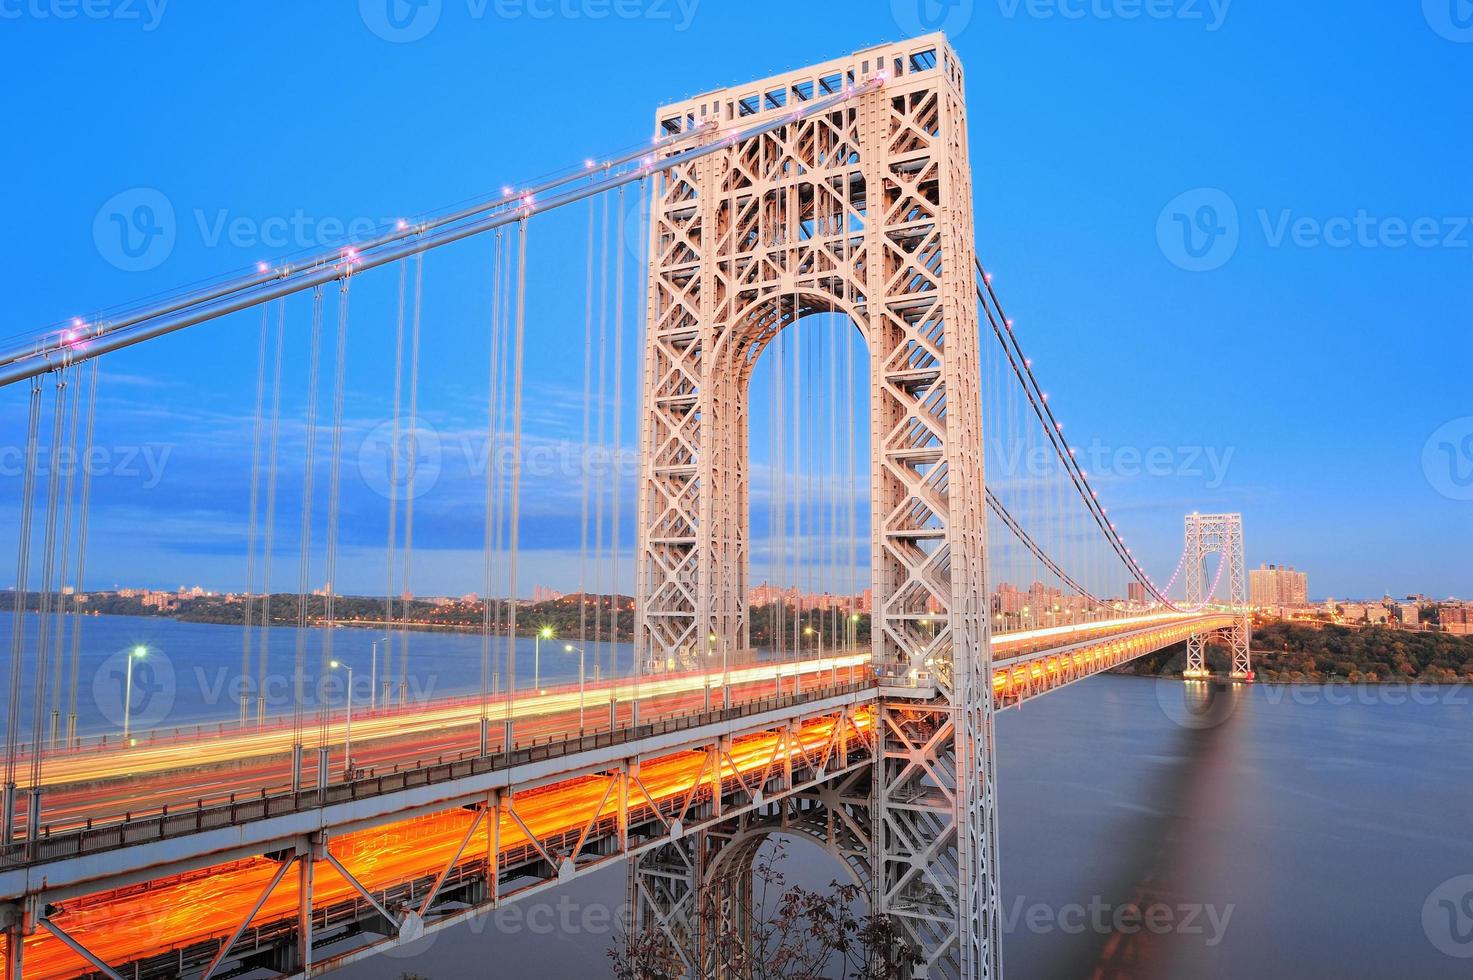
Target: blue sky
1304 355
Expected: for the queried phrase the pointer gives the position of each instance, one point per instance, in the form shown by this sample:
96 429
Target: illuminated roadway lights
348 724
570 648
137 653
545 633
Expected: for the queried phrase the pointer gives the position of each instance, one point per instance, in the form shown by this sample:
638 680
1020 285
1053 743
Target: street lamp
545 633
137 653
373 673
348 727
569 648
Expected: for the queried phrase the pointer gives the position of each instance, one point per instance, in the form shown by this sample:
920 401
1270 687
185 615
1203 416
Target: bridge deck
144 868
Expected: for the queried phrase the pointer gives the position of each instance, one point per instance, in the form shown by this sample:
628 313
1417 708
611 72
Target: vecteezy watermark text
1106 918
147 13
404 21
144 463
1207 463
136 230
1200 230
1210 13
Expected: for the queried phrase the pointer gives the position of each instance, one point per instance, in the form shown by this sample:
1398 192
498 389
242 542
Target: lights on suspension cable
263 268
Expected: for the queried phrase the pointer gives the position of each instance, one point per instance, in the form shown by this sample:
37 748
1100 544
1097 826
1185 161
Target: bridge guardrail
136 830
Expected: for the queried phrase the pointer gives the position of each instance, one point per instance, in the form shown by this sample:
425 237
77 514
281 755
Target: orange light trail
133 923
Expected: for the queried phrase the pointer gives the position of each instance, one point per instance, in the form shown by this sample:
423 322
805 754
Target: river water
1282 833
1262 832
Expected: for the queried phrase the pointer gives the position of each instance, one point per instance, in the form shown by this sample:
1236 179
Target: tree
784 933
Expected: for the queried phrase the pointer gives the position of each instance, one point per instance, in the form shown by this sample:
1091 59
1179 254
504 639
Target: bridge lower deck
162 892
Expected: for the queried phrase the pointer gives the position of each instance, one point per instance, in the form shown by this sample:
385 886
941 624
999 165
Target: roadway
133 923
107 784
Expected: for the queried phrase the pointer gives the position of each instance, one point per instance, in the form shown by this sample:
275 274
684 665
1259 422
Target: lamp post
137 653
373 674
545 633
348 725
569 648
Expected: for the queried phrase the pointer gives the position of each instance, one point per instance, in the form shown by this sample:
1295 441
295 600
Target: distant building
1457 618
1135 592
1273 585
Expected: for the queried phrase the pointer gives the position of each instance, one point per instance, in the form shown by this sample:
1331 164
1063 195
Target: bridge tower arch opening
1222 535
803 374
863 207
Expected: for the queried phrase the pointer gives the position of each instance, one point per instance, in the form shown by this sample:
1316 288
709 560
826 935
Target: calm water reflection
1294 835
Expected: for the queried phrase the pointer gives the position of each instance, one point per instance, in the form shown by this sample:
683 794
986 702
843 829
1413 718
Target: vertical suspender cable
851 390
334 500
419 265
263 654
587 418
394 449
779 543
603 382
304 558
831 485
488 540
249 599
48 571
516 441
498 504
58 658
18 623
642 309
616 475
80 582
799 555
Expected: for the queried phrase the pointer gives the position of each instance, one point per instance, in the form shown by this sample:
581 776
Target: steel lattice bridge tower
1220 534
863 211
841 189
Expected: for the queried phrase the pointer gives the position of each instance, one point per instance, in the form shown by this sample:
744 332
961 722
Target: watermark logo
1447 459
403 21
400 21
1451 19
135 230
1196 704
1447 917
916 17
403 461
1198 231
139 701
638 223
1211 13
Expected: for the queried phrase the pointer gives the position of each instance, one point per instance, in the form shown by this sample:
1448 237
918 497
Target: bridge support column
664 898
306 854
13 919
1221 534
863 211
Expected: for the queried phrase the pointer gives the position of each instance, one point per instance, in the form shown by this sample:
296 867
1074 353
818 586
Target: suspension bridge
857 714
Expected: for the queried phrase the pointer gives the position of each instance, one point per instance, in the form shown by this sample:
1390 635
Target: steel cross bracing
864 210
1221 534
